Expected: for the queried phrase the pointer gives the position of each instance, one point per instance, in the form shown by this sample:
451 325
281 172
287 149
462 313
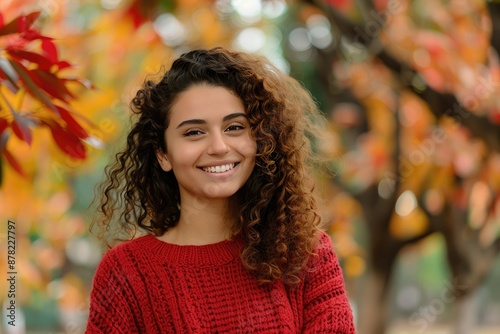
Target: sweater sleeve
110 299
326 307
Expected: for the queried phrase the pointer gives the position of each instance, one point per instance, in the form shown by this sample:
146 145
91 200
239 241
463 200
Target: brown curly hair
277 209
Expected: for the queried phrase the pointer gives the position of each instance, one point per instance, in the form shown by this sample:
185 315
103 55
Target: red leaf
31 87
33 34
72 123
50 50
135 11
42 62
8 29
63 64
1 21
67 142
24 23
51 84
20 24
13 163
21 129
4 124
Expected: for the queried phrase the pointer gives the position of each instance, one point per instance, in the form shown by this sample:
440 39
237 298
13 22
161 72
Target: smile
219 169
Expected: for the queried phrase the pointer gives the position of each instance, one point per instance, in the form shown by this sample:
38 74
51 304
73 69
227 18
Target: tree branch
440 104
494 11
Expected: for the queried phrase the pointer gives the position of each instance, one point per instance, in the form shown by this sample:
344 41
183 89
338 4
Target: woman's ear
163 160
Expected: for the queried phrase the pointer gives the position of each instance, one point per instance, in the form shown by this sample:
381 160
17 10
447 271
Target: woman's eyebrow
202 121
192 121
234 115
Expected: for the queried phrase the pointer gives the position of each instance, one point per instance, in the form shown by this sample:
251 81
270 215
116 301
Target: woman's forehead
205 102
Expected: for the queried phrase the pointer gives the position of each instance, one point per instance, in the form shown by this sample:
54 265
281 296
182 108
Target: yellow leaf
408 226
354 265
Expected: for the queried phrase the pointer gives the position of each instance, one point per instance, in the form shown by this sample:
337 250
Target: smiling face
209 146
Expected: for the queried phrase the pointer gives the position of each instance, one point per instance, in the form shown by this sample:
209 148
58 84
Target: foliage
410 88
30 67
413 98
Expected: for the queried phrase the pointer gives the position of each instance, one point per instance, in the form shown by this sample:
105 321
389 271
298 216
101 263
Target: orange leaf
85 83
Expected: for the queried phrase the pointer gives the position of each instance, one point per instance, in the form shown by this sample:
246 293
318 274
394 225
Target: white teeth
218 169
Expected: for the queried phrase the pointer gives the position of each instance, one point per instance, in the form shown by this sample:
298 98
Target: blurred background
411 93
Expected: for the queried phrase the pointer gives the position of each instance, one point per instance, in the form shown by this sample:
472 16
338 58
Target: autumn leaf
13 162
72 123
30 85
50 50
34 68
51 84
21 129
19 24
4 124
68 142
42 62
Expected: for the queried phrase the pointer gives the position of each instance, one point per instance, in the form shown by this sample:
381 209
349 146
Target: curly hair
277 210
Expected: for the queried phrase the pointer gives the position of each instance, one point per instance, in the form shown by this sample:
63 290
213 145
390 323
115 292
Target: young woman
215 171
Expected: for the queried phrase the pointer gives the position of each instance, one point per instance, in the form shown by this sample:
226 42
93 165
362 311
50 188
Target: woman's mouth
220 168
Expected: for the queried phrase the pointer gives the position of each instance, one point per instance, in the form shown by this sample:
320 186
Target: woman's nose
217 144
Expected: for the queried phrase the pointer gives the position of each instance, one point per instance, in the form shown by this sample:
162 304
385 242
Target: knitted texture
150 286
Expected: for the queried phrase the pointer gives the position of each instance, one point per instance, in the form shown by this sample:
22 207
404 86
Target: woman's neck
200 223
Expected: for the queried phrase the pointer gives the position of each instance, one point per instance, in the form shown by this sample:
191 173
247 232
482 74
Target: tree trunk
465 319
373 303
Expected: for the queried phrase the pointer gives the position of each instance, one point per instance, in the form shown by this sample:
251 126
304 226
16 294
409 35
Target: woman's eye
235 127
192 133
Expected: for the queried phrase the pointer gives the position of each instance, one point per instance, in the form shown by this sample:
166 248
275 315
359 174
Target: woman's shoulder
125 247
125 251
324 241
324 253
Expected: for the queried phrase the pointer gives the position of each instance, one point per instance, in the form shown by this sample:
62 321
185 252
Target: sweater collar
191 255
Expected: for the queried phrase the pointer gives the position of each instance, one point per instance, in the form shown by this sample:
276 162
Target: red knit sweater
150 286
